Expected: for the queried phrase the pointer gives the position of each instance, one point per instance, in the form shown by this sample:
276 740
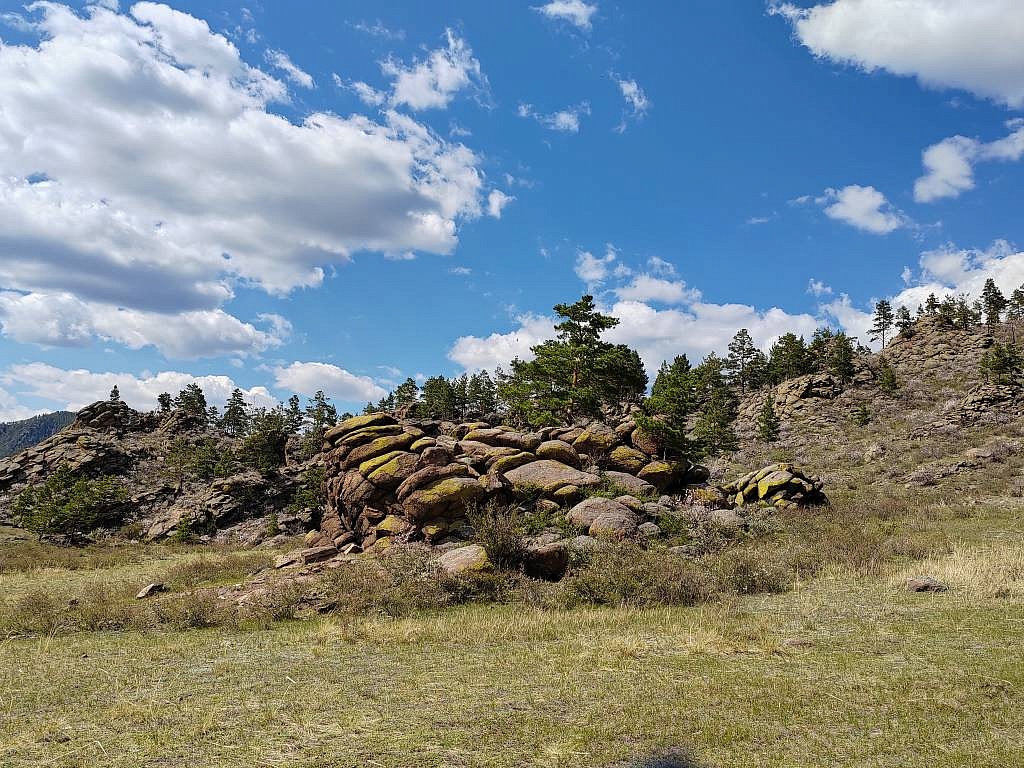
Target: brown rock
549 476
559 450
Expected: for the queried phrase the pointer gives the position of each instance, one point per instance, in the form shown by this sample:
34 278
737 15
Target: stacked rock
389 480
780 485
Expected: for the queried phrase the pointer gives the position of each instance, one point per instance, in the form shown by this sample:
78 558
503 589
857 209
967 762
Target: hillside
16 436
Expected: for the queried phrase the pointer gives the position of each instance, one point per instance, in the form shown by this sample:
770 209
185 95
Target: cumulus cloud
564 120
656 334
949 165
281 60
434 82
864 208
973 45
71 389
62 320
180 178
647 288
307 378
496 202
593 270
575 12
818 288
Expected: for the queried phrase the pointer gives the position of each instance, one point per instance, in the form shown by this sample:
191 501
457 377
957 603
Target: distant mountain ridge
16 436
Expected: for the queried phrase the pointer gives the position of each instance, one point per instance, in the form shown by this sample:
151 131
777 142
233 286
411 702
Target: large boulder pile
391 480
780 485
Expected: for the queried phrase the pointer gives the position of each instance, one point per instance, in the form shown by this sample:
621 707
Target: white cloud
575 12
973 45
864 208
565 120
434 82
281 60
73 389
180 178
474 352
593 270
60 319
461 271
818 288
657 335
660 266
949 165
757 220
366 93
12 410
647 288
496 202
307 378
379 29
637 102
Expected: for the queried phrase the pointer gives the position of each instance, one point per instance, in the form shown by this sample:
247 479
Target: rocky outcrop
780 485
398 481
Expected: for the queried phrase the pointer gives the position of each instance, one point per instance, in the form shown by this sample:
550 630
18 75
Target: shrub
67 504
748 571
499 530
627 575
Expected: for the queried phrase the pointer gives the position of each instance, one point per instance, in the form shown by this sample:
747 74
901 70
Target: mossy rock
627 459
358 422
379 447
391 473
505 463
368 466
449 494
392 525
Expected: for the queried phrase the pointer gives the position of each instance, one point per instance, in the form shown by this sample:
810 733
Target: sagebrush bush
500 531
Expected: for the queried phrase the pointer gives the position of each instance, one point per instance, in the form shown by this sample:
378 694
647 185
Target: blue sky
353 193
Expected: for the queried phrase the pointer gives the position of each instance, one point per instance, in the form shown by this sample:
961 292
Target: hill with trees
16 436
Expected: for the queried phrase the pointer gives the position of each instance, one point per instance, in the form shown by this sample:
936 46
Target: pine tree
788 358
1002 364
904 322
839 359
716 407
480 394
235 420
165 402
321 414
664 414
460 391
405 395
742 353
887 381
862 416
931 305
768 422
883 321
192 401
115 395
438 398
819 348
965 316
293 415
1015 310
993 303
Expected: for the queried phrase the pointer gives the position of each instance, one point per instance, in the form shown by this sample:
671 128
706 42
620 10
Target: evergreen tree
788 358
993 302
716 407
819 348
438 398
931 305
575 374
904 322
235 420
165 402
966 316
622 379
664 414
1015 310
192 401
406 395
743 355
293 415
115 395
1002 364
263 447
839 358
862 416
321 415
947 309
480 394
768 422
66 503
460 391
887 381
883 321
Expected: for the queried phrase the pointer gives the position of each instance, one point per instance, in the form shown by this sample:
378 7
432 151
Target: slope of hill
16 436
